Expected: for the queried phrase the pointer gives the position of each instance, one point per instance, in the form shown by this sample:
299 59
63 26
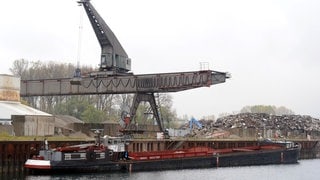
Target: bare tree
20 68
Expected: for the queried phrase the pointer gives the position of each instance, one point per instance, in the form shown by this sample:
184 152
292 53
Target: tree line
268 109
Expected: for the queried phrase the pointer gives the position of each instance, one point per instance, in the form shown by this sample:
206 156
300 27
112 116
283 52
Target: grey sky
271 48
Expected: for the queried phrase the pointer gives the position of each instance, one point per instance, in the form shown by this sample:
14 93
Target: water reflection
306 169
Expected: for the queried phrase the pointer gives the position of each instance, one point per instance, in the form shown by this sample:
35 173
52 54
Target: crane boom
113 56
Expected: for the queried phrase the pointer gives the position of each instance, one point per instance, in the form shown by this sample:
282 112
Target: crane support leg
147 97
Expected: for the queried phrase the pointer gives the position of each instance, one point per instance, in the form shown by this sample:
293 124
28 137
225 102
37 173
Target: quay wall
13 155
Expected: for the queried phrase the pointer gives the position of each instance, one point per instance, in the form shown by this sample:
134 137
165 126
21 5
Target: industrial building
19 119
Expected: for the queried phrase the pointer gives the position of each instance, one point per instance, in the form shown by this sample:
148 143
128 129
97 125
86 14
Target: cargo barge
110 155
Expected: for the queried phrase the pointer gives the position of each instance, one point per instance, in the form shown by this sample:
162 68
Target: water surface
304 170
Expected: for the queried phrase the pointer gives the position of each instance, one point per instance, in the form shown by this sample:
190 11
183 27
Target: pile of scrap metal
294 125
205 129
266 121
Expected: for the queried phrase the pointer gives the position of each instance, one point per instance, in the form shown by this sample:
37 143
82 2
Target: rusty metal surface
9 95
9 88
144 83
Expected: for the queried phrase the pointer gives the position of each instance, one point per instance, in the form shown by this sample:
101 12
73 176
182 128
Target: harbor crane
115 76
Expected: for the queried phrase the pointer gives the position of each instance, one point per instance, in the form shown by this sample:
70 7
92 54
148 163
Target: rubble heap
224 127
266 121
208 130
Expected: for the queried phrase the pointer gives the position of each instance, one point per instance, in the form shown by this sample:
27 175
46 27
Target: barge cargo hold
110 155
201 157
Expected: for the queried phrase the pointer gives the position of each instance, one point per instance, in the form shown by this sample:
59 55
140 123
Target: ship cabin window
106 59
289 145
103 59
114 141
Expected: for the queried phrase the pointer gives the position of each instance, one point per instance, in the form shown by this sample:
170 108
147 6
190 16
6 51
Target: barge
110 155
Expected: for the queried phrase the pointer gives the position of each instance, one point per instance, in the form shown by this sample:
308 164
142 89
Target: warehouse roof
8 108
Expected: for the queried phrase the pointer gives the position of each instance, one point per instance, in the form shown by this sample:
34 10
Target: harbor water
305 169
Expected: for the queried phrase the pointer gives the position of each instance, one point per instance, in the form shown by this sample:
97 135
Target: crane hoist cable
78 71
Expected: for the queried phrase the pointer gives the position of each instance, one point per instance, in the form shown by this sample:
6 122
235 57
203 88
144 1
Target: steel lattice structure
125 84
113 76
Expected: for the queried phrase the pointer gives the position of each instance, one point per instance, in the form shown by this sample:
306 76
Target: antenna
78 70
77 73
80 38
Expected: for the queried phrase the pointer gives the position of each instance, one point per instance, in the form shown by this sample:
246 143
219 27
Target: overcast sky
271 48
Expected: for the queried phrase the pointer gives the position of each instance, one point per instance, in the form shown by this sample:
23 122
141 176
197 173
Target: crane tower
114 76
